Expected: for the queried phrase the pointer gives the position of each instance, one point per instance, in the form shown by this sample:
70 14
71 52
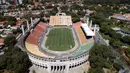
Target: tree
104 29
76 20
25 1
9 40
91 70
27 16
9 18
75 7
15 61
127 52
115 43
12 23
15 31
118 67
81 13
53 12
104 1
126 39
100 57
2 18
3 63
97 70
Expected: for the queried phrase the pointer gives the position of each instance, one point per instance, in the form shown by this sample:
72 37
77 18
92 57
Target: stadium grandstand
60 19
82 36
60 49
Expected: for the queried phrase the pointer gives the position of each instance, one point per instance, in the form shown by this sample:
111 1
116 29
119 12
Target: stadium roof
87 30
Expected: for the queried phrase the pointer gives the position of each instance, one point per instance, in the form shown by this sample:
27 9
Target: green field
60 39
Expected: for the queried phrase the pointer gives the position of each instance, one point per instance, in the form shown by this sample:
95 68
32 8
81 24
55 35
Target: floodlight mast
31 21
27 24
90 24
23 29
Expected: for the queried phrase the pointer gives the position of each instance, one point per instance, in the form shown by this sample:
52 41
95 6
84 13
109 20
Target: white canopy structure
87 30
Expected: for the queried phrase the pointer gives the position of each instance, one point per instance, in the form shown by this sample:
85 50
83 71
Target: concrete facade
61 66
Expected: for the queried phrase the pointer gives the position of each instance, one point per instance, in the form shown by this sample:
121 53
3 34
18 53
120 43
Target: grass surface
60 39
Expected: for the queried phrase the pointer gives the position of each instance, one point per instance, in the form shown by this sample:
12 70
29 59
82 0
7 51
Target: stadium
60 46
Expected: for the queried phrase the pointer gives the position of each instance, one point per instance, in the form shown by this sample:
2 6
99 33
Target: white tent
87 30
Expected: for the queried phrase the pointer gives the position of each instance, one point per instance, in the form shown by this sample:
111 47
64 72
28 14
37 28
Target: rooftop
87 30
1 42
122 16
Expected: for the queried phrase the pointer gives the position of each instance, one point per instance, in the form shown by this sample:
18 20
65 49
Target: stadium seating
34 36
80 33
33 39
83 48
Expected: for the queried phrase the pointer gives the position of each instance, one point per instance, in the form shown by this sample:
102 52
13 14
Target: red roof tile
1 23
18 23
1 40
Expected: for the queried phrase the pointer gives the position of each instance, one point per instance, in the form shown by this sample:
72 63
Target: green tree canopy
14 61
126 39
100 57
9 40
12 23
127 52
